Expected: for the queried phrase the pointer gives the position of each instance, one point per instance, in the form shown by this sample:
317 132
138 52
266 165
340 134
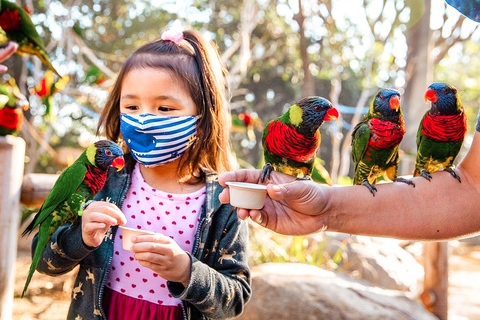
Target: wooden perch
36 187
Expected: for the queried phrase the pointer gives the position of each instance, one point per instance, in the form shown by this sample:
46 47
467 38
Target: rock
300 291
471 241
380 261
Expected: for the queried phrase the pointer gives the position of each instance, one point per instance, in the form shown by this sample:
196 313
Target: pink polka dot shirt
174 215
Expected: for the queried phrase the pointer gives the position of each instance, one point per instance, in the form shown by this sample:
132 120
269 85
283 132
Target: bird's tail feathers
41 244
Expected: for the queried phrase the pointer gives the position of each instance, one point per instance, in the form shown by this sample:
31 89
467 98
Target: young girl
168 107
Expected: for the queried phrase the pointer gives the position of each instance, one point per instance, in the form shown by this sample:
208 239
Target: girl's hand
162 255
97 218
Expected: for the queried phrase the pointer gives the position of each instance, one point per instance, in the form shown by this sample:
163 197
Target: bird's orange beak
332 114
118 163
394 103
430 95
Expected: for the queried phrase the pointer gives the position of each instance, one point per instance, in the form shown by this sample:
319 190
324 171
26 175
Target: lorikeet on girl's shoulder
76 185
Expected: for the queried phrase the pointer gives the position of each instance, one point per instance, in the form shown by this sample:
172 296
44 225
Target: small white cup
128 233
247 195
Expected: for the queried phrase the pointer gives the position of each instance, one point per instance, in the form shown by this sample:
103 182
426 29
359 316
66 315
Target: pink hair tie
171 36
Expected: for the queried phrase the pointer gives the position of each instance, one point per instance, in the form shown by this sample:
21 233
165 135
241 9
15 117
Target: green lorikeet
376 139
76 185
18 27
441 131
291 141
12 103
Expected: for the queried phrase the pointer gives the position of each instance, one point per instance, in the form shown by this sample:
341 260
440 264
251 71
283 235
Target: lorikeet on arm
76 185
292 140
441 131
376 140
18 27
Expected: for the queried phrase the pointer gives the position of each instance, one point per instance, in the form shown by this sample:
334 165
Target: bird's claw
407 181
305 178
452 171
4 45
369 186
424 173
266 172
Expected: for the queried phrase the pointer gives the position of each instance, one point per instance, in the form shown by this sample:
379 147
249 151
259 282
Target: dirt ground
49 297
46 297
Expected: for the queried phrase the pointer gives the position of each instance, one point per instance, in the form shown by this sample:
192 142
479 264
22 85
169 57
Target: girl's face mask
155 140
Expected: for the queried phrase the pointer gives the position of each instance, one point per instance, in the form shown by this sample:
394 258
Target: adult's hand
292 207
5 53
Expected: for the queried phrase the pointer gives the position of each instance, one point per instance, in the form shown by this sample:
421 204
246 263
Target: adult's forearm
438 209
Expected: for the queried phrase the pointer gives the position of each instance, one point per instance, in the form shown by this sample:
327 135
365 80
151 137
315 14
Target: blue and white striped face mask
155 140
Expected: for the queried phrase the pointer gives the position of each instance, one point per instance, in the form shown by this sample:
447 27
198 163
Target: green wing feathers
360 135
67 184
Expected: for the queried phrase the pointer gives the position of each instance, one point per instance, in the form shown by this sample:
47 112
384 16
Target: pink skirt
118 306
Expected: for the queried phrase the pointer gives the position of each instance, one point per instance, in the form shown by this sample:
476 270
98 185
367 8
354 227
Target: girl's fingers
224 196
97 217
157 238
108 209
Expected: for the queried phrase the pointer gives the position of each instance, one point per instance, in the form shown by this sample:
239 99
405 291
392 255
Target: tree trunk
308 88
419 74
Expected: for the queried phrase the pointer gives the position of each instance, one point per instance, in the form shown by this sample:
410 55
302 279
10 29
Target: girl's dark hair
196 63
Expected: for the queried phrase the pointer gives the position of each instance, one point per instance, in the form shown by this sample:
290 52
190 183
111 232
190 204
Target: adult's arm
439 209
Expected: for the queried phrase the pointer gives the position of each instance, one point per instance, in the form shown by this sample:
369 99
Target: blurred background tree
276 52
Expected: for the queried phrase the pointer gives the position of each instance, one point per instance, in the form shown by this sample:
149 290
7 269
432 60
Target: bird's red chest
95 178
11 118
385 134
284 141
445 128
10 20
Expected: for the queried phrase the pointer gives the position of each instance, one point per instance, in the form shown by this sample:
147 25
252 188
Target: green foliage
268 246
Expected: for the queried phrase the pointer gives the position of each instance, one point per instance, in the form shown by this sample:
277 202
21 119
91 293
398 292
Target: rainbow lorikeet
376 139
76 185
12 103
291 141
18 27
47 88
441 131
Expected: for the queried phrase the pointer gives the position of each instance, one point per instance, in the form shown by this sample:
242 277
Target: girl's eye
164 109
131 107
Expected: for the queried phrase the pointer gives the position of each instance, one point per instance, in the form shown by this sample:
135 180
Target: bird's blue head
106 153
444 98
387 104
314 111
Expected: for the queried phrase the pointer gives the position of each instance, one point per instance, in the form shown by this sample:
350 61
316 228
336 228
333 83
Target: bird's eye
108 153
381 97
317 108
444 90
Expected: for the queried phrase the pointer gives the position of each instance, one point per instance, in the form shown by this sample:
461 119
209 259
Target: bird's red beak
118 163
394 103
332 114
430 95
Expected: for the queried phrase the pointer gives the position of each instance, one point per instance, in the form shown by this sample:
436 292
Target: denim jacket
219 285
